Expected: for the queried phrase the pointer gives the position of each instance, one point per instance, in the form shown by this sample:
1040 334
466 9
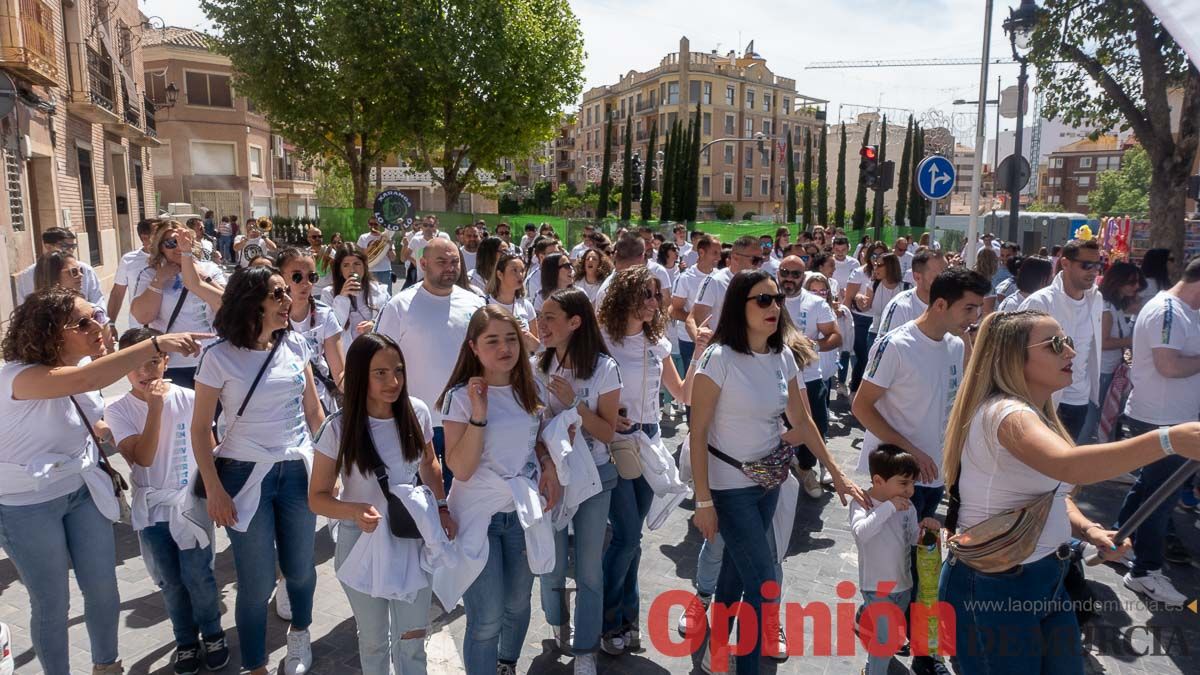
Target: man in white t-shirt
530 235
681 242
63 240
746 255
533 276
813 317
381 269
584 244
470 247
128 270
429 321
419 240
1166 391
843 264
927 264
905 255
687 284
1075 302
629 251
253 244
912 376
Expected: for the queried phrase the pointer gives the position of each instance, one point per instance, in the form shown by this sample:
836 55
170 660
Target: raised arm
43 382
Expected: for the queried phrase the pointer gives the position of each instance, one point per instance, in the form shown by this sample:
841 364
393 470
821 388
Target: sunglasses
170 244
98 317
755 260
764 300
66 247
278 293
791 274
315 237
75 272
299 277
1088 265
1058 343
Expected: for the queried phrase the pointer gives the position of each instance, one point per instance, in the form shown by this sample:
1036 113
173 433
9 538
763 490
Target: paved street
822 554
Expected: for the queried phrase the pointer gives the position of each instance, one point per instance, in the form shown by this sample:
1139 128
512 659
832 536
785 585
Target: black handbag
400 521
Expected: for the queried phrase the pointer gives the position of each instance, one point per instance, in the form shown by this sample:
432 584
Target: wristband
704 505
1164 439
475 423
156 290
186 254
441 504
154 341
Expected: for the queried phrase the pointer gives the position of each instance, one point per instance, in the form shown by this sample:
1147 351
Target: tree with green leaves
902 180
605 187
648 175
860 195
916 201
679 182
839 190
1125 191
1111 63
627 176
791 180
359 81
822 180
808 180
692 191
668 172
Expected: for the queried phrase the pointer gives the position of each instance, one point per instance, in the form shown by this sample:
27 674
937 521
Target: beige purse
1003 541
623 449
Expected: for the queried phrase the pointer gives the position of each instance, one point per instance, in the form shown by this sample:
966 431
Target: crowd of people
471 411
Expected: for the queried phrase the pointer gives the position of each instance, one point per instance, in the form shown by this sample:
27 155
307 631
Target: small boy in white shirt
150 425
884 536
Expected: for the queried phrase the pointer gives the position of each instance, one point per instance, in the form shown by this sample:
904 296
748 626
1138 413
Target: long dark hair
353 448
1154 266
287 256
48 270
487 257
240 318
551 266
468 365
586 343
493 284
732 328
1118 275
367 279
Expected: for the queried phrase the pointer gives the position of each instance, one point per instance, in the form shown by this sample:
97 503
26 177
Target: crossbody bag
400 521
623 449
768 472
120 487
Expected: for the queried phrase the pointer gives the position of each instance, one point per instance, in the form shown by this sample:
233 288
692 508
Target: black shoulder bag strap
175 312
400 521
119 484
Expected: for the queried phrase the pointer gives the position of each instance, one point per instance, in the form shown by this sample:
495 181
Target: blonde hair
160 233
997 368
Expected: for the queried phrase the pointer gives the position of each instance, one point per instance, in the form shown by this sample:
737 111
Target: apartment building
218 152
739 96
76 142
1071 171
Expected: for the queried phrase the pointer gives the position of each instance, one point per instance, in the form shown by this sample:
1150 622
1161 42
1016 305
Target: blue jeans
590 523
862 348
687 350
282 523
712 554
1150 538
186 579
880 633
439 449
497 602
385 278
992 636
744 520
225 246
818 403
627 513
182 377
43 540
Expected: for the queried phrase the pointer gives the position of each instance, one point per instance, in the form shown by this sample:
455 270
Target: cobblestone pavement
1130 637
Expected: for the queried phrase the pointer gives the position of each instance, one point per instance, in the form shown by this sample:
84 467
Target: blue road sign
935 177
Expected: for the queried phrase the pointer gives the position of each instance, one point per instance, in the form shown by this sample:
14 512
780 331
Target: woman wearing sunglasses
855 296
63 518
556 272
1005 448
57 268
176 291
315 322
258 487
357 296
887 282
745 383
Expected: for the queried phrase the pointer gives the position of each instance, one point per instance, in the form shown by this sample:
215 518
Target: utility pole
981 115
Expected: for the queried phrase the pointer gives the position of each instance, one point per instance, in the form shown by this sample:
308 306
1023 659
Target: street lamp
1019 25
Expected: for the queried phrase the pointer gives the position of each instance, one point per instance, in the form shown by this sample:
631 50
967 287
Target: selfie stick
1166 491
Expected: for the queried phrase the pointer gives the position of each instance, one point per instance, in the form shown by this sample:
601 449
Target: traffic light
868 166
887 176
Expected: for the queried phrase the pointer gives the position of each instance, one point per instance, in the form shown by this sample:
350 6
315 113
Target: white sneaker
693 616
614 646
585 664
6 657
826 477
706 660
562 637
283 604
1156 586
299 653
781 653
812 485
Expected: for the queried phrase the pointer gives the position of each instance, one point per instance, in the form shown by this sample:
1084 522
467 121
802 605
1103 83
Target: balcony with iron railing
28 47
564 142
151 122
92 86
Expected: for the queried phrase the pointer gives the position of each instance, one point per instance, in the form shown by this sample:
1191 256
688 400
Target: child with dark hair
884 536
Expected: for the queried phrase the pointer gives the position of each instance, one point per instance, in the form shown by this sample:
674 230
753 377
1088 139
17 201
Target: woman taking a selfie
316 322
357 296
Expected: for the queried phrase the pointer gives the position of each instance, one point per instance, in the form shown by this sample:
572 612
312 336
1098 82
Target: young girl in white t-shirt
507 289
357 297
377 407
315 321
491 414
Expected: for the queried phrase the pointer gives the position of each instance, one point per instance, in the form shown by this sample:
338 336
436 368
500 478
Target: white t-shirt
578 251
770 265
663 275
383 264
39 426
1164 322
521 308
511 432
687 285
430 329
1079 327
602 291
746 423
533 280
253 248
904 307
993 480
808 311
605 378
1012 303
842 269
882 296
906 262
274 420
641 365
127 274
195 315
921 377
1122 327
365 489
884 537
858 276
174 464
712 294
90 287
468 258
349 314
590 290
316 328
417 244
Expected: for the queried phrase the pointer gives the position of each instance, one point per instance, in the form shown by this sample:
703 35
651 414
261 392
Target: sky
620 35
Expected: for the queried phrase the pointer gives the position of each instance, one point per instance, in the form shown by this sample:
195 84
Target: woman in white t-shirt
577 372
491 412
357 298
1120 288
592 268
179 292
1005 447
556 272
633 325
507 290
887 282
316 322
391 632
745 384
856 296
258 487
63 517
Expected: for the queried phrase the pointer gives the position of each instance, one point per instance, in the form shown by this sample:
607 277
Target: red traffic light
869 152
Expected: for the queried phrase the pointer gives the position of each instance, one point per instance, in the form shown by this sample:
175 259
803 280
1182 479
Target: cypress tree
839 194
808 169
648 175
791 181
679 181
692 191
602 207
627 175
822 180
667 173
860 195
915 200
902 180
